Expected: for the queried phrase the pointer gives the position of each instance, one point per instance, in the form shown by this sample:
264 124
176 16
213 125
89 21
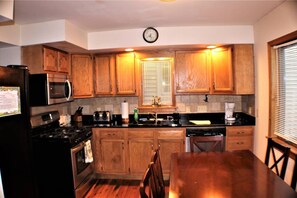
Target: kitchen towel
125 109
88 152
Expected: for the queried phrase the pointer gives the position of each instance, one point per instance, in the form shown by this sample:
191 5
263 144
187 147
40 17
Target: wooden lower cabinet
140 144
170 141
239 138
127 152
109 151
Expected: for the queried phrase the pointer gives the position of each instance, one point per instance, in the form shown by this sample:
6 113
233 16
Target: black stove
46 128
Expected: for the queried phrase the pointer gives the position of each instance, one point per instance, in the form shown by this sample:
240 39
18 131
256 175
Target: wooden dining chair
294 177
285 151
147 185
158 174
207 143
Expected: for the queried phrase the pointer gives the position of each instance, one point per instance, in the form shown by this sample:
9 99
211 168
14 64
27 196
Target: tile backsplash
184 103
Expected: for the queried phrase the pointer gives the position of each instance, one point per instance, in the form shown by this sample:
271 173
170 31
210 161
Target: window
156 82
283 87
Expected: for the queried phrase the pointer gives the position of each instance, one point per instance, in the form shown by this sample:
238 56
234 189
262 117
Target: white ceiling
103 15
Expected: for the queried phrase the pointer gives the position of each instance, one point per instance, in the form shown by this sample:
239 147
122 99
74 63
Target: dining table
228 174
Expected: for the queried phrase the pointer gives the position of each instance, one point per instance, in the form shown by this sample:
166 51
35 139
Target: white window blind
285 93
156 81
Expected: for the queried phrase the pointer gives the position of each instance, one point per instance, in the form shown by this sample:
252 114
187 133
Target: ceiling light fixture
129 50
211 47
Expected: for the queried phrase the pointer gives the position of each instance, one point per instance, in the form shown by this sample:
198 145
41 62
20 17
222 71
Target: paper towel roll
125 110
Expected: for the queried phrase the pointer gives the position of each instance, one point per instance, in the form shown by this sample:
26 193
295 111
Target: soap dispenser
135 115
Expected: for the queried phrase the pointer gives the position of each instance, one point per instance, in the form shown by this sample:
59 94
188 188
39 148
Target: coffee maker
229 109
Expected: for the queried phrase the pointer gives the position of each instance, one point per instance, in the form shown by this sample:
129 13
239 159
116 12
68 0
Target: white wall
10 56
279 22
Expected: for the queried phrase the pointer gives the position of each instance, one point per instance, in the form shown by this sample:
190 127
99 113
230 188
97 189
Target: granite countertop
216 119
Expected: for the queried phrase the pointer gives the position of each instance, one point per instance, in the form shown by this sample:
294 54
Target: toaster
102 117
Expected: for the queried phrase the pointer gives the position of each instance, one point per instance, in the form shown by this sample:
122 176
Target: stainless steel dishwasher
205 138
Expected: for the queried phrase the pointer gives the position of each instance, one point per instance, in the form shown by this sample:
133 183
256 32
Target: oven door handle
78 147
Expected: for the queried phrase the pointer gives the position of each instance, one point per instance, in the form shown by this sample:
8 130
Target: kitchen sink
152 123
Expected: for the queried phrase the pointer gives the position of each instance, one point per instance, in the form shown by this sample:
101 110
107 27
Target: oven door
82 171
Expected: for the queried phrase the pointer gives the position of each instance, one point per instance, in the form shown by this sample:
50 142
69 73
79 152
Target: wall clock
150 35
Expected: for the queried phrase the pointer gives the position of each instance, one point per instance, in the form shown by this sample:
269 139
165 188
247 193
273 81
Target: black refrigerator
16 164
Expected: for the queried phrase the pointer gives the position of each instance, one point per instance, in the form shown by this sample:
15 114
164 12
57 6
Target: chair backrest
158 175
294 177
145 187
207 143
285 152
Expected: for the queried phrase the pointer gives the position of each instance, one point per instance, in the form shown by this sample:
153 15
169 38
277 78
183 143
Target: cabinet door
125 74
50 59
82 76
221 60
113 156
140 152
170 141
63 62
96 149
192 72
244 69
103 75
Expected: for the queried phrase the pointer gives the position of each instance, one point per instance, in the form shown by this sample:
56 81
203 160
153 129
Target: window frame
272 61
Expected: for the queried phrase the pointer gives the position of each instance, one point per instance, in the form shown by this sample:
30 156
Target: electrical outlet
202 108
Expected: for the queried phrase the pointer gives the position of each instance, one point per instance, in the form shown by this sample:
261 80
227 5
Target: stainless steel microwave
47 89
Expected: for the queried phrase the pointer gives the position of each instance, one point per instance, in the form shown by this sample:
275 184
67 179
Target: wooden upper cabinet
41 59
50 59
82 76
244 75
222 72
192 71
104 74
125 74
63 62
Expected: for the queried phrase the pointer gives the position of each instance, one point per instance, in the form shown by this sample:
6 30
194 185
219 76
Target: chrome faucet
155 116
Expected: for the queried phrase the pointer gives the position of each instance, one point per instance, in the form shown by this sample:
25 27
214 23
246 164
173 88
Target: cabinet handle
152 147
239 143
240 132
123 145
159 146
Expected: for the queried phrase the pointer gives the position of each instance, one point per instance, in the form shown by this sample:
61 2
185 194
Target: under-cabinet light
129 50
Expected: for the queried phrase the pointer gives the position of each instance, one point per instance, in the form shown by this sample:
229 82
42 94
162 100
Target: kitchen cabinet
141 145
244 74
169 141
128 151
82 76
104 74
239 138
125 74
222 72
204 71
41 59
192 71
110 151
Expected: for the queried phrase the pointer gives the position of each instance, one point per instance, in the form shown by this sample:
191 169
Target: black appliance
15 137
48 89
61 163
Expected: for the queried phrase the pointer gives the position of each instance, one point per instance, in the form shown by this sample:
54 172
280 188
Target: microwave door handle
70 90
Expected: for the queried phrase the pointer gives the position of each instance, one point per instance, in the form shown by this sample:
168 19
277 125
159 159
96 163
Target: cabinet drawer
170 134
239 143
140 134
240 131
112 134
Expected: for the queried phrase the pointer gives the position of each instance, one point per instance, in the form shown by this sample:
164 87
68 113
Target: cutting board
201 122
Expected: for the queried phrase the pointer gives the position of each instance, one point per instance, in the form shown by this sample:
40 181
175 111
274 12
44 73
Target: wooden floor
111 188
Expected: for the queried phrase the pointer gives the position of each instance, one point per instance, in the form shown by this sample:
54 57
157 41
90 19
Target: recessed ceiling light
129 50
211 46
